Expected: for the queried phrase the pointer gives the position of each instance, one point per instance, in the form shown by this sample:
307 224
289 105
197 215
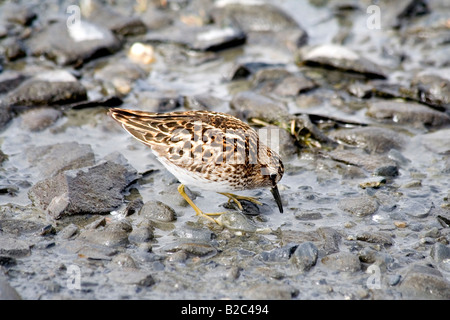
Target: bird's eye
273 177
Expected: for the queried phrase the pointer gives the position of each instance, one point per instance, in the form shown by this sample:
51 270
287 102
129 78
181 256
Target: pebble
423 282
371 139
95 189
342 261
78 44
7 292
114 234
156 210
407 113
341 58
132 277
247 105
440 252
360 206
40 119
305 256
55 87
13 247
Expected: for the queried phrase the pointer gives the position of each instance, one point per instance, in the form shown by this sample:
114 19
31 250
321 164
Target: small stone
422 282
359 206
50 160
342 261
7 292
13 247
132 276
440 252
142 234
305 256
77 44
411 113
375 237
39 119
68 232
156 210
400 224
96 189
55 87
341 58
124 260
141 53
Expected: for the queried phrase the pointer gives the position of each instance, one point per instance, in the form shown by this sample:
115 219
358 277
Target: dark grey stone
156 210
342 261
86 41
407 113
51 160
96 189
359 206
305 256
56 87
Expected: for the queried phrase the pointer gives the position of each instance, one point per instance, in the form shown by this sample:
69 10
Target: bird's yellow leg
236 198
198 212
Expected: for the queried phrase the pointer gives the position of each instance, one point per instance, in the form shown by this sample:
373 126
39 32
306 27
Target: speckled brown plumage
205 149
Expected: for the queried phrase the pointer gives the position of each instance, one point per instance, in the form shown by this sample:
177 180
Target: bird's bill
277 197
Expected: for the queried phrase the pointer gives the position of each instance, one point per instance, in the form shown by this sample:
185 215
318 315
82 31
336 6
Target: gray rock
422 282
20 227
114 234
257 18
294 85
55 87
6 115
371 139
132 276
39 119
438 141
12 49
73 45
375 237
278 254
203 38
159 101
121 75
440 252
194 234
341 58
305 256
68 232
51 160
156 210
359 206
88 250
407 113
342 261
377 164
10 79
7 292
329 239
96 189
247 105
13 247
246 69
107 17
123 260
432 89
143 233
16 13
